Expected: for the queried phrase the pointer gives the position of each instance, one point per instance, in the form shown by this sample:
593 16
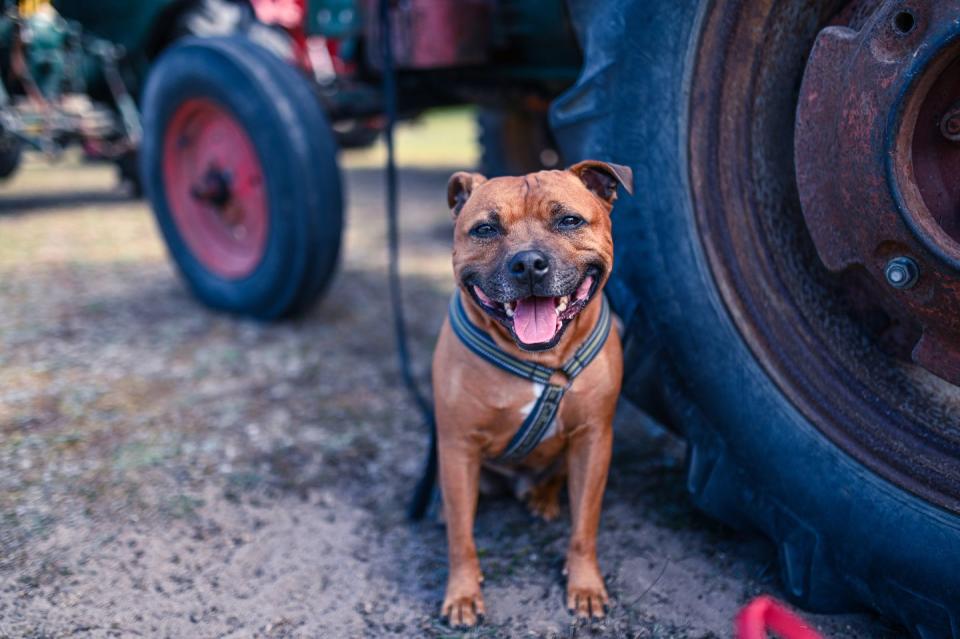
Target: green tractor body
126 24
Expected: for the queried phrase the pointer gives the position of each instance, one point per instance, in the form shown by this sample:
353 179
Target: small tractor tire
239 163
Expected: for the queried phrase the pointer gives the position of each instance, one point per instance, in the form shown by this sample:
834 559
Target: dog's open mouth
538 322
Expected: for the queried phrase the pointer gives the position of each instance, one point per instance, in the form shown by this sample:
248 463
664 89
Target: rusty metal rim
901 123
830 386
873 98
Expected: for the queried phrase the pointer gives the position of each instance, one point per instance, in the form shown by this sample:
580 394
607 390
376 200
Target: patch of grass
110 234
444 137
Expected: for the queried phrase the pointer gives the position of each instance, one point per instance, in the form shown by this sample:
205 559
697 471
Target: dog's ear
459 188
601 178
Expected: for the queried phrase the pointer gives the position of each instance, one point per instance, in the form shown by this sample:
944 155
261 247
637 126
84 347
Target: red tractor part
432 34
291 16
765 615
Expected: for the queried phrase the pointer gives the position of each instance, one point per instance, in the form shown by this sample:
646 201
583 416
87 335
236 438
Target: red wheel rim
215 188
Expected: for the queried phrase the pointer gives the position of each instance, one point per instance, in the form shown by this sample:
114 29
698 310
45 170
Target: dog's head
532 251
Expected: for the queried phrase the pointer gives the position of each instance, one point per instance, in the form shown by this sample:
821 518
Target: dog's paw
586 595
547 507
463 609
587 603
544 500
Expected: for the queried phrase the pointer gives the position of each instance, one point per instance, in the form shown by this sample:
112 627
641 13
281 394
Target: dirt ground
170 472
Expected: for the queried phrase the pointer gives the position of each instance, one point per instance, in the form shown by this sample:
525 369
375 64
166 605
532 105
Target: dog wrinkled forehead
585 185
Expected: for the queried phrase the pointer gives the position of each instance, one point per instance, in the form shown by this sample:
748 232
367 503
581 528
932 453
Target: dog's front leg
588 458
459 481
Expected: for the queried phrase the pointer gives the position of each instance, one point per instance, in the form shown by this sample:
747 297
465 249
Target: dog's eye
484 231
568 222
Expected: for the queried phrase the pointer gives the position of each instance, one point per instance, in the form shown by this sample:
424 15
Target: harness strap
541 417
484 346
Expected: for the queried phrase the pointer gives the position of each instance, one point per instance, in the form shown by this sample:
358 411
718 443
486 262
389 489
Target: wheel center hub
213 188
878 166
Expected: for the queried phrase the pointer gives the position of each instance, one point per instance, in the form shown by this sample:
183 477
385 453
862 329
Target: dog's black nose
529 266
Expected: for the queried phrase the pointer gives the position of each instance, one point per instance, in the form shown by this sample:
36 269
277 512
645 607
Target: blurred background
203 430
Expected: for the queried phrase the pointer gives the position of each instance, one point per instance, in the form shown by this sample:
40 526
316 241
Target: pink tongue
535 319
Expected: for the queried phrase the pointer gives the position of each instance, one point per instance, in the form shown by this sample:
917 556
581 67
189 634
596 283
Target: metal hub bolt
902 272
950 124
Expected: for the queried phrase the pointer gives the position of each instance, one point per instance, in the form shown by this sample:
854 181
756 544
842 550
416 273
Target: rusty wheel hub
835 249
878 167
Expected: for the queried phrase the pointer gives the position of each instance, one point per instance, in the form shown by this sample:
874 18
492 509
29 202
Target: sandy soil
169 472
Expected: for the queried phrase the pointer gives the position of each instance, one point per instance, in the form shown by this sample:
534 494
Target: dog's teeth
509 309
561 307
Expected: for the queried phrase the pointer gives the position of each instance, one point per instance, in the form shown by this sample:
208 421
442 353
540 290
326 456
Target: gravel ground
169 472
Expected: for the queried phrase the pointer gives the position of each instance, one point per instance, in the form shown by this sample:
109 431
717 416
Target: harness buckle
562 379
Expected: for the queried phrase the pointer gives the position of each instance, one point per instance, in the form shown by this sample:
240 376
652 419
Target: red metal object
878 178
215 188
340 66
764 615
292 16
430 34
289 14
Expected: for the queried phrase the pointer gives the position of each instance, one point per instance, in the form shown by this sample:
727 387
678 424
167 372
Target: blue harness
538 422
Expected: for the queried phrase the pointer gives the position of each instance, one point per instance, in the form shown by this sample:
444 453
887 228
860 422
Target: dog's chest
513 411
526 409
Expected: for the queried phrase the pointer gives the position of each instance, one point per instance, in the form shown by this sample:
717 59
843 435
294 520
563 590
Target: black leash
424 492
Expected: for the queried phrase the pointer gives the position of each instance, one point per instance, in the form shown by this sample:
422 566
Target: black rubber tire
11 152
514 142
845 536
128 170
276 106
356 135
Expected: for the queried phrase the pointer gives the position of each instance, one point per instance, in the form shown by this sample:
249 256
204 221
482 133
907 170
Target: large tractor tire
128 171
812 413
239 163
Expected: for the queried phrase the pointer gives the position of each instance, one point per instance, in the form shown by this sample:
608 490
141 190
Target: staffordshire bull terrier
527 371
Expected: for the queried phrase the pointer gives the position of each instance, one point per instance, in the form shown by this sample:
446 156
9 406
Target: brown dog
531 256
